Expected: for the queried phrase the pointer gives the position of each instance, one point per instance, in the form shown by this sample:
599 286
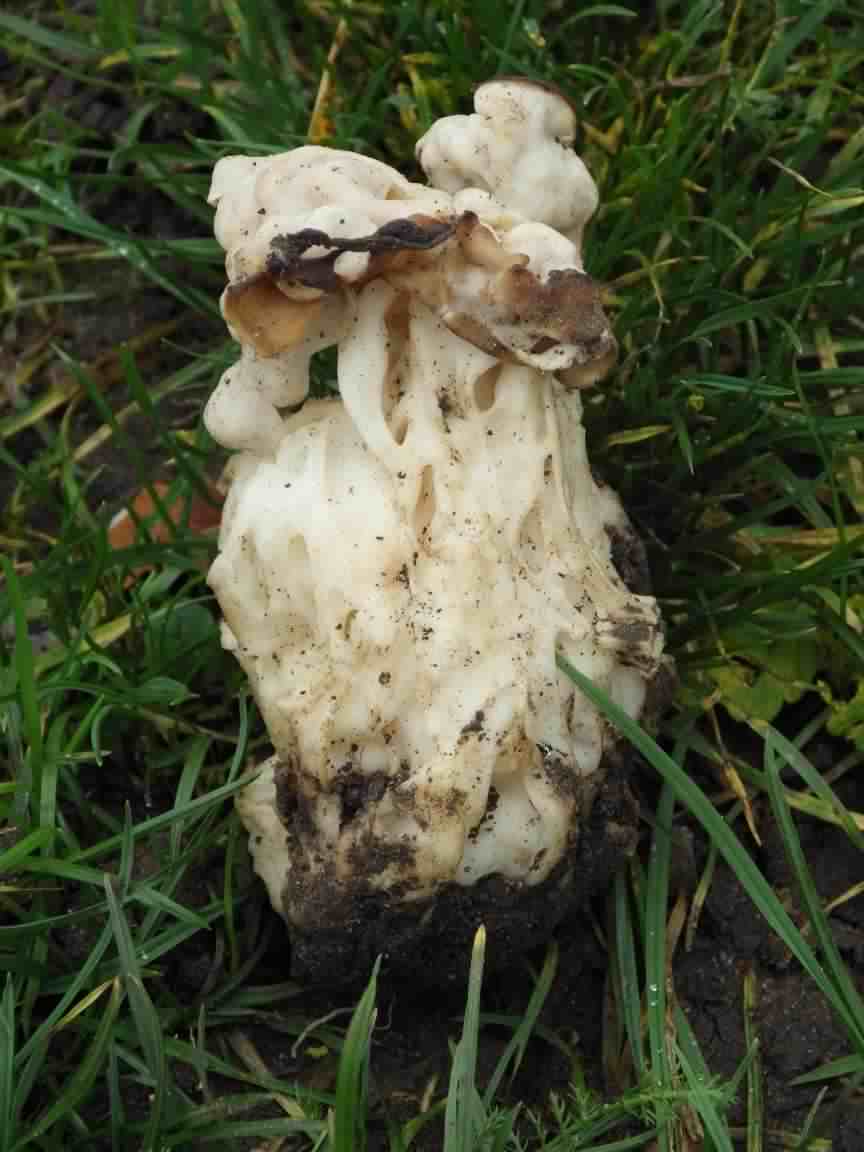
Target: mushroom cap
492 249
516 147
519 97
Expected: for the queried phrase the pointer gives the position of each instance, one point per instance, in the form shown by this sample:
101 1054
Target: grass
727 145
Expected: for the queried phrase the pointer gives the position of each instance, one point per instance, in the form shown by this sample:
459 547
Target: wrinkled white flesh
397 569
381 594
514 147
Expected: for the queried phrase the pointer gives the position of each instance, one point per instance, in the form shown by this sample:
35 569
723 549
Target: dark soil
344 930
796 1028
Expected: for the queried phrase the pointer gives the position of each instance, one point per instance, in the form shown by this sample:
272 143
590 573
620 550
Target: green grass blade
514 1053
19 854
151 897
31 1074
656 910
352 1079
698 1080
61 42
64 212
755 1101
628 975
833 1070
231 1132
70 994
197 807
795 758
845 992
463 1117
29 805
693 798
192 766
82 1078
147 1023
7 1065
115 1100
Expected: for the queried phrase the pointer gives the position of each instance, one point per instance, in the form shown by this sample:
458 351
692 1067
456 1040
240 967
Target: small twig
315 1024
317 130
251 1058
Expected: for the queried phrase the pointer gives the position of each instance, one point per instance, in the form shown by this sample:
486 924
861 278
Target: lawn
712 998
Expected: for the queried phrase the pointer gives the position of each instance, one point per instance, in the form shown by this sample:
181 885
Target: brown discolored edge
602 359
264 317
260 308
568 302
629 556
287 261
564 308
660 694
474 332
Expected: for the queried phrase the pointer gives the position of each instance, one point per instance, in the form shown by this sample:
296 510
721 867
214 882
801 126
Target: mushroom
517 146
398 568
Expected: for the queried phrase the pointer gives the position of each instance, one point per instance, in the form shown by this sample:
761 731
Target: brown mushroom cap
263 317
518 314
271 310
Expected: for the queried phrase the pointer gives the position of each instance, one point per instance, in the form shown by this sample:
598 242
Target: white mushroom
398 568
517 147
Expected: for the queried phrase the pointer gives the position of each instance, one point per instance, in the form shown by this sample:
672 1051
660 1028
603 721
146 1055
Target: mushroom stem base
432 939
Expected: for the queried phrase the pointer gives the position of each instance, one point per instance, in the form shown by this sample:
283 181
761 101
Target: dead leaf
201 517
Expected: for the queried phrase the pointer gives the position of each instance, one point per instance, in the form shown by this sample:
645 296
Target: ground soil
796 1029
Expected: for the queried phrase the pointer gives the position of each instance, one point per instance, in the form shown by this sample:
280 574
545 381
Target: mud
796 1029
431 941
